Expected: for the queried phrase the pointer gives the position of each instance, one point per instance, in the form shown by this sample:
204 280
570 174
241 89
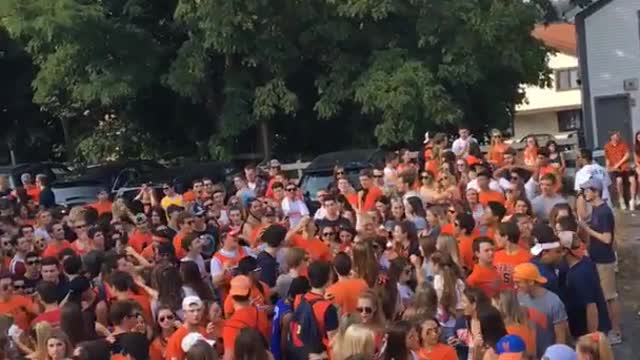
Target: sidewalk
628 245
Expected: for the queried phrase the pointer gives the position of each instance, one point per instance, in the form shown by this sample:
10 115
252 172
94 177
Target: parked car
319 174
83 186
53 171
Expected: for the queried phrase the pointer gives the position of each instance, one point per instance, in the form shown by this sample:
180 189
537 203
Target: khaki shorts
607 273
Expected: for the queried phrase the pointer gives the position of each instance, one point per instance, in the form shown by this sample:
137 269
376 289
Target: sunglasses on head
364 309
134 315
18 286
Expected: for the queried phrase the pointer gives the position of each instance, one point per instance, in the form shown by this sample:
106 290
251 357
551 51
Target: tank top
281 309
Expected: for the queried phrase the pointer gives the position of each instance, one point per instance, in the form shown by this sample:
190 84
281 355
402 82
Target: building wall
541 99
613 54
538 123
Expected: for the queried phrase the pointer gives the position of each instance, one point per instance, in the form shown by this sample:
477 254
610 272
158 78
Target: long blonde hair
43 330
357 339
448 245
596 345
365 264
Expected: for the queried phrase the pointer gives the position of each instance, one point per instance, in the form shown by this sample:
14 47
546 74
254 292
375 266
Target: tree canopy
218 76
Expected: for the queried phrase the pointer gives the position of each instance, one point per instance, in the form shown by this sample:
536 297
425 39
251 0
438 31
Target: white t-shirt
594 171
199 260
294 210
216 266
459 146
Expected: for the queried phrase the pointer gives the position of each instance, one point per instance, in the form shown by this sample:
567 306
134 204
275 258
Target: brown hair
596 345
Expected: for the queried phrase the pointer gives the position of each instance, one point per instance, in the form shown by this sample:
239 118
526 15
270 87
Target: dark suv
319 174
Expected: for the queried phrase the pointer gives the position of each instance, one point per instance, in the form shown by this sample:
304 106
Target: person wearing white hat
192 338
192 307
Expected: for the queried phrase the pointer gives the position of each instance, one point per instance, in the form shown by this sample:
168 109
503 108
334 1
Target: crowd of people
462 255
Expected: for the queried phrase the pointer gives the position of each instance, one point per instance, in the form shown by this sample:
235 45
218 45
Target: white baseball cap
192 338
189 301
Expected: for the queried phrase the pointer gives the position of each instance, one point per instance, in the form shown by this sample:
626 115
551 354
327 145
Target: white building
609 55
556 109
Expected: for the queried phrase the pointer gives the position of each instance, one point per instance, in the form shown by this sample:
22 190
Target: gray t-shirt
545 311
542 205
283 283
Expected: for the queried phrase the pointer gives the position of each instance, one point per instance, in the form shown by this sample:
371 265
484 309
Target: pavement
628 247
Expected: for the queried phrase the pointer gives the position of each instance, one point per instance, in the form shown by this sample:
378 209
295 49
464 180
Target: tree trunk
264 139
68 144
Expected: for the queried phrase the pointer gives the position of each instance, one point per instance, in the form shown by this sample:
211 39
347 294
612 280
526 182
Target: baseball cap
198 210
510 344
192 338
79 284
190 301
592 183
247 265
559 352
240 286
25 177
274 163
528 271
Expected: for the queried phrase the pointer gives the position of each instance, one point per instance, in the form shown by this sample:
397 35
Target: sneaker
614 338
622 205
632 205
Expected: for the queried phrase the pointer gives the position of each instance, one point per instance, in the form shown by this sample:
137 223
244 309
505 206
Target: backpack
304 336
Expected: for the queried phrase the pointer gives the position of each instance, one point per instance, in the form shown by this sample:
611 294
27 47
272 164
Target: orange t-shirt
177 245
530 156
496 153
486 279
505 264
615 153
257 298
34 192
465 249
527 334
432 166
247 317
76 248
53 249
102 207
315 247
157 349
370 200
447 229
174 344
148 253
16 307
485 196
472 160
346 292
139 240
145 306
438 352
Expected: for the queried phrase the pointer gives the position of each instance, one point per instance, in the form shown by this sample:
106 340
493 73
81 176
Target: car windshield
313 182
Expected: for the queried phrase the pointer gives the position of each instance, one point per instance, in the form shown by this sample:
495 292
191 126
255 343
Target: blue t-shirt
550 273
602 221
582 287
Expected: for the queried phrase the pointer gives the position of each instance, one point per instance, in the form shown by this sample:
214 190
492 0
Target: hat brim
238 292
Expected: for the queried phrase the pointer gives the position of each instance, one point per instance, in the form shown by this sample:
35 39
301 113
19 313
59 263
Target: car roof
349 159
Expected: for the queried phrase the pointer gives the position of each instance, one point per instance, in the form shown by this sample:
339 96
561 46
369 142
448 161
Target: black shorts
621 174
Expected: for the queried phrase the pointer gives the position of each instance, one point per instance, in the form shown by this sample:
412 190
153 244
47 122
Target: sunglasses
378 176
423 177
18 286
168 317
291 189
328 234
165 188
451 211
339 172
364 309
134 315
33 262
80 226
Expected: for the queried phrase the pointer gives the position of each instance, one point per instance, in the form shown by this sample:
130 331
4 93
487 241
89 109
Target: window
569 120
567 79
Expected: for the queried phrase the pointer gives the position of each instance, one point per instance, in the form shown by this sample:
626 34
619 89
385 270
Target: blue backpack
304 336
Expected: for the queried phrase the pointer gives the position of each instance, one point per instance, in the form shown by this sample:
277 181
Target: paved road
628 241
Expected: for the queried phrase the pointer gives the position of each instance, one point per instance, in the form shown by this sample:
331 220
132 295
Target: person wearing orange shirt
226 259
617 158
32 189
57 243
20 308
432 349
192 307
492 217
141 236
260 294
344 293
244 315
495 155
484 275
185 225
103 204
530 153
304 237
121 286
511 254
486 194
463 232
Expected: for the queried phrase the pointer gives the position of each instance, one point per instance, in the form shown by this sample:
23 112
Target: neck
511 248
342 278
597 202
271 251
484 264
571 260
193 254
537 291
166 332
117 329
428 346
318 291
